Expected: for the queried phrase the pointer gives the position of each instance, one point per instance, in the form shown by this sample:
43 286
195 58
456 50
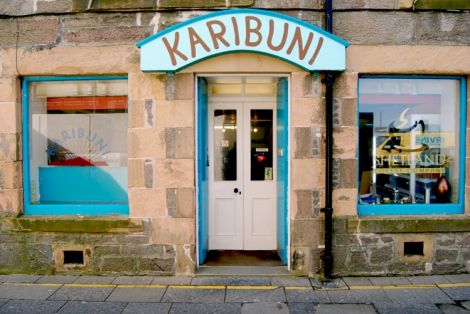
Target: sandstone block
54 6
106 35
442 28
38 31
104 5
346 85
428 248
307 174
345 142
171 4
184 86
348 109
356 26
179 142
10 121
306 232
146 203
290 4
180 202
371 5
307 142
146 86
9 90
185 259
306 85
10 147
10 175
175 173
175 113
307 204
345 173
344 202
136 114
136 172
11 201
307 111
7 31
146 142
174 230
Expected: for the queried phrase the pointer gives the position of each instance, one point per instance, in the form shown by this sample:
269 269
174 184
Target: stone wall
376 246
110 246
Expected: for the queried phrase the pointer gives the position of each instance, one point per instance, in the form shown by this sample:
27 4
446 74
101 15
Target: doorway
242 164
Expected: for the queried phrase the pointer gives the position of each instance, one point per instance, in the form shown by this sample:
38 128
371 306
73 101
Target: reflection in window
261 145
225 145
78 142
409 141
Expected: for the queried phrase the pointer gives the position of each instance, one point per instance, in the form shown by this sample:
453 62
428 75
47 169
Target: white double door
242 176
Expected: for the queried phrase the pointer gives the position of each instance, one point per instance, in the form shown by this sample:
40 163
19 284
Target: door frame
198 151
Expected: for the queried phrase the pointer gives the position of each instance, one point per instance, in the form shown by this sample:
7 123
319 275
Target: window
411 145
75 145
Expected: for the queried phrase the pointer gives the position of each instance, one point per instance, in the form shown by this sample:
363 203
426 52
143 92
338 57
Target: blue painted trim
58 209
243 11
410 209
95 209
425 209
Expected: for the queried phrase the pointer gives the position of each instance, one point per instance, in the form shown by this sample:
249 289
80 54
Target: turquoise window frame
58 209
424 209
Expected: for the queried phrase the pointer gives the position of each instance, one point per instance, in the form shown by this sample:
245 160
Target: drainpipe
328 210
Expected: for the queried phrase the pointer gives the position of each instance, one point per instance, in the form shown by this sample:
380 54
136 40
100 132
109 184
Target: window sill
411 224
76 224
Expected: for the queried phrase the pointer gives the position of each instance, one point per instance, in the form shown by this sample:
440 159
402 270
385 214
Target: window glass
78 142
409 136
225 145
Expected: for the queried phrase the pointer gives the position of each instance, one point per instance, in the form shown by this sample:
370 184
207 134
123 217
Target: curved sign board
243 30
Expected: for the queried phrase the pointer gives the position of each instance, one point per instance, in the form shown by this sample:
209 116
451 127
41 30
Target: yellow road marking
298 288
197 287
142 286
33 284
90 285
451 285
392 287
252 287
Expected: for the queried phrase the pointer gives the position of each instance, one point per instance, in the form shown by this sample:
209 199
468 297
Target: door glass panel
261 142
225 145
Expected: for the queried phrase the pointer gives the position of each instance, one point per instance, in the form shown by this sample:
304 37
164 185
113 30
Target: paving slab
17 278
452 309
461 278
121 294
57 279
250 281
27 292
95 279
265 308
3 301
172 280
31 306
290 281
466 304
255 295
345 308
428 280
243 271
147 308
210 281
194 295
80 307
418 296
389 281
357 281
301 308
205 308
133 280
358 296
455 293
334 284
91 294
394 308
315 296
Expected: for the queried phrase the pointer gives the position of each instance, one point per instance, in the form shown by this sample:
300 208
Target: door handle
236 190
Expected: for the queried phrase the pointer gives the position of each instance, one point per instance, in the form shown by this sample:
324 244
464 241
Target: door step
243 271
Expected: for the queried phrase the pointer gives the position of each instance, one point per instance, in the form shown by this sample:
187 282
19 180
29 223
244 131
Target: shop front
243 132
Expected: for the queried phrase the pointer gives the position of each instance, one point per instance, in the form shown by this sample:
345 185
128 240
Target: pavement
218 294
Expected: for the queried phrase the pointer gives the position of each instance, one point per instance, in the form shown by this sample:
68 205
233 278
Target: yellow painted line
298 288
252 287
142 286
90 285
196 287
333 289
33 284
392 287
451 285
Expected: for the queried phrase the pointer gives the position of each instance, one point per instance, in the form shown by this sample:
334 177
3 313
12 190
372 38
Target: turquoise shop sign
243 30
